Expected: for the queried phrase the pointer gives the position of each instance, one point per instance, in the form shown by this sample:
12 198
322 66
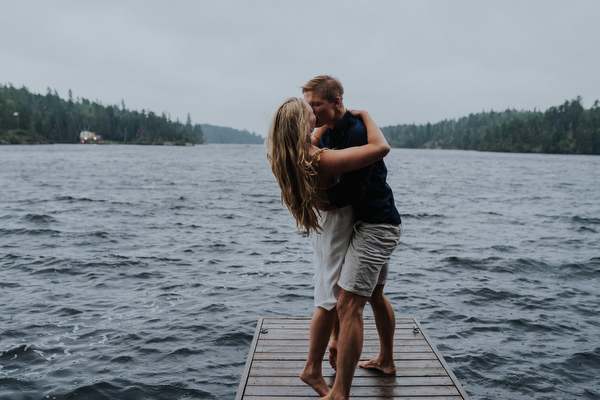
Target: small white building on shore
89 137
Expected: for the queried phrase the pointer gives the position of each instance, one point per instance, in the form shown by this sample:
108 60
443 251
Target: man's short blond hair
328 86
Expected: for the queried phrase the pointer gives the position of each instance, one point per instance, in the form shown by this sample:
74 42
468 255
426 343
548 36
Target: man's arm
355 157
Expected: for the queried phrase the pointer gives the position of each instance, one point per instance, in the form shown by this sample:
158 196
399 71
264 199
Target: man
376 234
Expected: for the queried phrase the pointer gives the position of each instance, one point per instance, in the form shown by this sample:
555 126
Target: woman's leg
333 342
320 330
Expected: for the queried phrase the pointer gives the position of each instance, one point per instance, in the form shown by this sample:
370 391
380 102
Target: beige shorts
368 257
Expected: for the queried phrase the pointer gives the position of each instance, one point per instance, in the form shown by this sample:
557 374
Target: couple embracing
334 184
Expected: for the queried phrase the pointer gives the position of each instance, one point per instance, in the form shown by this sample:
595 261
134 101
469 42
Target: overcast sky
231 63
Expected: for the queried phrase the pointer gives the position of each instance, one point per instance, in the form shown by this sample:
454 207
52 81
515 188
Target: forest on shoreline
224 135
27 118
565 129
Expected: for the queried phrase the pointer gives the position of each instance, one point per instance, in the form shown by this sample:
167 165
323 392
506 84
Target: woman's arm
337 161
316 137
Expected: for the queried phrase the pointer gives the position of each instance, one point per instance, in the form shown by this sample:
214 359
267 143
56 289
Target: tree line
26 117
34 118
220 134
565 129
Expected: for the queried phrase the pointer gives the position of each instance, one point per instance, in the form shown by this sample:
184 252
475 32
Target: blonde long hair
288 149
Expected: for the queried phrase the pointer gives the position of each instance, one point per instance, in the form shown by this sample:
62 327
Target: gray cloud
231 63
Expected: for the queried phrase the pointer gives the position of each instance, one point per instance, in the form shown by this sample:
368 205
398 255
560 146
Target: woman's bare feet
333 354
386 368
317 382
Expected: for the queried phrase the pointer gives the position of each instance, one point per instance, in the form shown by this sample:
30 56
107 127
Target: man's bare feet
317 382
333 354
386 368
332 396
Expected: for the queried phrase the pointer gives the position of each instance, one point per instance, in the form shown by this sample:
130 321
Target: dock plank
280 346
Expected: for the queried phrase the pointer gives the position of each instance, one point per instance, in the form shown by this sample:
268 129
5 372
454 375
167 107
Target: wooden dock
280 346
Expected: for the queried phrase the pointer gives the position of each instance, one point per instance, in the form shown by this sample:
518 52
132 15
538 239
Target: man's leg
385 320
350 313
320 328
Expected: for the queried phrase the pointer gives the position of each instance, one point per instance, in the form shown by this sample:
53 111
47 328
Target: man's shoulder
352 122
355 131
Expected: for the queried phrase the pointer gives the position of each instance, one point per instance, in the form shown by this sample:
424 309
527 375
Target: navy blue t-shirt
366 189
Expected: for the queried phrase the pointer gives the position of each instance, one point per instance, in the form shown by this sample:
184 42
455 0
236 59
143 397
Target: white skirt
330 248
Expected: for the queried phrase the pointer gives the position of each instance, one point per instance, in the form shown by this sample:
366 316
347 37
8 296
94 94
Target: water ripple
147 281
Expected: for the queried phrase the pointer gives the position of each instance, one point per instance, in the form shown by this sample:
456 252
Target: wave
423 216
123 360
470 263
525 325
67 312
38 218
486 295
185 352
530 265
72 199
586 229
162 339
505 248
583 270
234 339
29 355
29 232
215 309
21 352
586 220
584 361
124 389
65 270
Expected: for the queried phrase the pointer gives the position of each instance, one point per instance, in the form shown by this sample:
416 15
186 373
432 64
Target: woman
303 172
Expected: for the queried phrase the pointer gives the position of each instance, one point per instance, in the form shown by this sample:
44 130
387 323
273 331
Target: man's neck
338 114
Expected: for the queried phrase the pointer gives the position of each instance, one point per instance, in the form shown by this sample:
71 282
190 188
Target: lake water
139 272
